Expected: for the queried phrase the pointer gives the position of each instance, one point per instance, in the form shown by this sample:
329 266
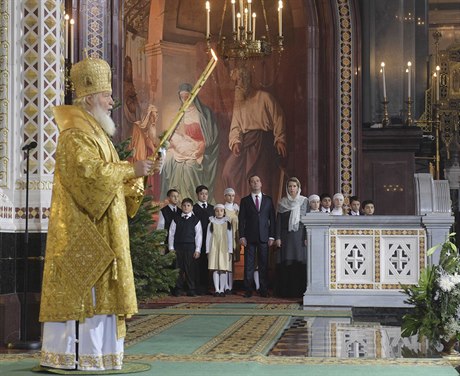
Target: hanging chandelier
244 42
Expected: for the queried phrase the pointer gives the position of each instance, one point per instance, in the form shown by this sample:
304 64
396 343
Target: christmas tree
153 271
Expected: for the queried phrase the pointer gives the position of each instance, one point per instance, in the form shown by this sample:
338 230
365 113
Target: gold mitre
91 76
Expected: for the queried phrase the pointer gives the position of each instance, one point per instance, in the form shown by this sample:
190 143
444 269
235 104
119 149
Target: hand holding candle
382 64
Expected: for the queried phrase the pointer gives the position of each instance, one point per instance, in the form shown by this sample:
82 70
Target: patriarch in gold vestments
88 283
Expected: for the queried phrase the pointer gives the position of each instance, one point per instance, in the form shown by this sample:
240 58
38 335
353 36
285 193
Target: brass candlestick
386 119
409 120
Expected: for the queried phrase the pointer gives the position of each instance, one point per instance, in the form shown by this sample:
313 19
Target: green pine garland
154 274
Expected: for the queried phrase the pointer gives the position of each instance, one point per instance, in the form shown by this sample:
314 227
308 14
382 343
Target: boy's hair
172 190
366 202
324 195
200 188
354 198
187 200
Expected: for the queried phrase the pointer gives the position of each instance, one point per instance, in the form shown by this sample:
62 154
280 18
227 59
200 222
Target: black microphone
30 146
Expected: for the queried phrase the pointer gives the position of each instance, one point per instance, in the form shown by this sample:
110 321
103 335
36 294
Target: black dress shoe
222 294
247 294
228 292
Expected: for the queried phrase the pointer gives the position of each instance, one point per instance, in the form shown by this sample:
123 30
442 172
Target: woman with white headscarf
290 239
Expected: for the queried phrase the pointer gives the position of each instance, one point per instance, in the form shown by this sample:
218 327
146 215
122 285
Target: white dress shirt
161 218
198 234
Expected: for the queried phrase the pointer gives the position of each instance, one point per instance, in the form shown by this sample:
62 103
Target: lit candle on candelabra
250 13
233 15
241 7
409 64
280 18
238 25
253 26
66 40
245 19
72 22
208 19
382 64
438 78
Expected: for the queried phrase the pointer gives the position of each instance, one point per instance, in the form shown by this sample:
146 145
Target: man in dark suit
257 233
203 210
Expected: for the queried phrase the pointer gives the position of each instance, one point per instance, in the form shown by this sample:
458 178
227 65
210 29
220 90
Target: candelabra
244 42
409 120
386 119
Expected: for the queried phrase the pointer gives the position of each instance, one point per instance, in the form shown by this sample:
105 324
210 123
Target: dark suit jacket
203 215
256 226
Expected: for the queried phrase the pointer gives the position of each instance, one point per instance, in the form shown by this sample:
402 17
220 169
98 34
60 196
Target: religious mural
249 118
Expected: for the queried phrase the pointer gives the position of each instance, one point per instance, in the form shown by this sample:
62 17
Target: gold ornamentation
377 235
91 76
4 90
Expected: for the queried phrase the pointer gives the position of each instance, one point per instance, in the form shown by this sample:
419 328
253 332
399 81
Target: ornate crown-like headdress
91 76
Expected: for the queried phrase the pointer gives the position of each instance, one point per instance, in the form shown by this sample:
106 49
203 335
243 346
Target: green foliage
436 298
154 274
153 271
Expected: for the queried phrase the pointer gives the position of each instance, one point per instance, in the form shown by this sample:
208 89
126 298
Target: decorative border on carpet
142 328
128 367
289 360
261 310
249 335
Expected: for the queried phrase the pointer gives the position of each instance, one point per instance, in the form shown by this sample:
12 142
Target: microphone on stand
30 146
24 342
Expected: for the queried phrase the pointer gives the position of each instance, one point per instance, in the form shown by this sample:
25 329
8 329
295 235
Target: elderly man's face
104 101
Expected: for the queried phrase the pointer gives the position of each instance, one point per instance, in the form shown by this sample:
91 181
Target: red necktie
257 202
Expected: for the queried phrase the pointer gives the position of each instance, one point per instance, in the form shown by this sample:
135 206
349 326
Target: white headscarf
292 204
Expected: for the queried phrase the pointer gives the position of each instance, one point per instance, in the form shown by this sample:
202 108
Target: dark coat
256 226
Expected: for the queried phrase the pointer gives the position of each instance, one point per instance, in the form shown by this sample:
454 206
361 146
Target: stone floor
373 333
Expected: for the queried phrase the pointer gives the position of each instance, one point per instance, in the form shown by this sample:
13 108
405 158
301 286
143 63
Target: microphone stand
24 344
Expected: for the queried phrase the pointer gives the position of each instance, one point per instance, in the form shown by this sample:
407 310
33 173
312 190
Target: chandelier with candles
244 43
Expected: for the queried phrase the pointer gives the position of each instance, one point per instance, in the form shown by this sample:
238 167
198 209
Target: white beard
104 120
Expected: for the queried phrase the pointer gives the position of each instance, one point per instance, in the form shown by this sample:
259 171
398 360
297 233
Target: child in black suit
186 237
203 210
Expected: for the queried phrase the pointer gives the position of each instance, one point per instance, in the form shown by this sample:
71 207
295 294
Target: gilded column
346 97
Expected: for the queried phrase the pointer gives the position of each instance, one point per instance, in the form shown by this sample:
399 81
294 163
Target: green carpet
264 366
245 309
233 339
128 367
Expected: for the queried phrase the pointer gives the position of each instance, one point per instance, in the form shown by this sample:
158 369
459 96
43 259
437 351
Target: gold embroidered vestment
88 238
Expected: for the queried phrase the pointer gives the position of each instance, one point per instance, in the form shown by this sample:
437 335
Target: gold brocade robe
88 238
